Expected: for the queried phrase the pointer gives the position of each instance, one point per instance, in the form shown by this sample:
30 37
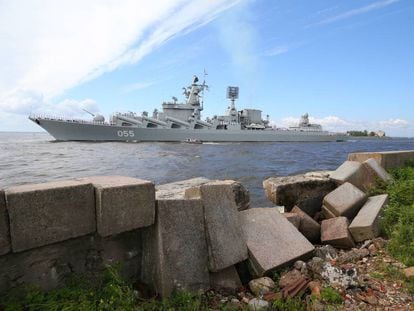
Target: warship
181 122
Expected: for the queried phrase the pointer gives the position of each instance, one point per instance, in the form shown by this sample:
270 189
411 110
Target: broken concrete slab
225 238
241 195
4 226
176 190
308 227
42 214
376 171
175 255
293 218
346 200
335 232
387 159
365 225
122 203
225 279
352 172
305 192
273 242
327 213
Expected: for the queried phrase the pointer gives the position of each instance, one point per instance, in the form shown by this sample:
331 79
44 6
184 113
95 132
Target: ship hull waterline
77 131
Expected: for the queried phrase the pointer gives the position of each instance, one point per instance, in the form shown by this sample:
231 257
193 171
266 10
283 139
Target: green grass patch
331 295
398 217
289 304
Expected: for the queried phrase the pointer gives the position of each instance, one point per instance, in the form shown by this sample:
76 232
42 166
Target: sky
348 64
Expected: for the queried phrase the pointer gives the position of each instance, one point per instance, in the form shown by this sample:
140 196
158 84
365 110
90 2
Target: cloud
277 50
48 47
137 86
394 123
358 11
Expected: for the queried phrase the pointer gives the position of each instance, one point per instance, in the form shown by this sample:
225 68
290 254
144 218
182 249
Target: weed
289 304
330 295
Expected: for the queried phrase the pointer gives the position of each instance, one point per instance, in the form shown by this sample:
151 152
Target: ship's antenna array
232 94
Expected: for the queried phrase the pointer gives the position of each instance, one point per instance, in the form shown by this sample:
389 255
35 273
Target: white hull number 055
126 133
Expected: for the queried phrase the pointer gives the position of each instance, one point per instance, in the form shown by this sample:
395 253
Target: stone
326 252
366 225
262 286
376 171
335 276
305 192
353 255
346 200
335 232
308 227
42 214
387 159
273 242
289 278
175 255
293 218
409 272
241 195
318 174
227 278
49 266
327 213
352 172
225 238
176 190
258 305
122 203
4 226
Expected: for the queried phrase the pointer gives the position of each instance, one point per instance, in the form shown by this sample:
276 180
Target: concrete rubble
122 203
335 232
387 159
346 200
293 218
308 227
227 279
352 172
175 255
225 238
273 242
261 286
365 225
305 192
57 211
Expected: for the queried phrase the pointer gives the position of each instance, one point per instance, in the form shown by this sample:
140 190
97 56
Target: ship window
175 126
151 125
126 124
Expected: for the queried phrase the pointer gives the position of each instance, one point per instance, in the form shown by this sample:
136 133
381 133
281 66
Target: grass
398 217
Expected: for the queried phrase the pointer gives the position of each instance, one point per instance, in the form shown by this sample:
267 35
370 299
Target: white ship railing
67 119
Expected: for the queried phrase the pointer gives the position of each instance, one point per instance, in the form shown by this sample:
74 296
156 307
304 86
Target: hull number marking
125 133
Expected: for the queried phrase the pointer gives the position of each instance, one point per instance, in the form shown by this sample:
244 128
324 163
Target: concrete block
346 200
335 232
122 203
376 171
46 213
352 172
293 218
4 226
241 195
225 239
365 225
225 279
387 159
327 213
176 190
308 227
49 266
175 255
273 242
305 192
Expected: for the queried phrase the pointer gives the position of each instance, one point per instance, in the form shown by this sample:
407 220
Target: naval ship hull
64 130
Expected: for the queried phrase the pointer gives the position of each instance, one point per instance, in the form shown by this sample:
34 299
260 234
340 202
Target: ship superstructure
182 121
